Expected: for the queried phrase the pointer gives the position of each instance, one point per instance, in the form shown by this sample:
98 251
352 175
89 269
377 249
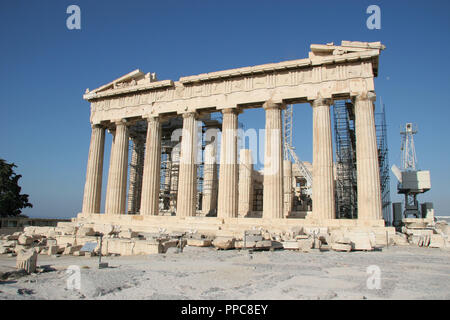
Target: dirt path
204 273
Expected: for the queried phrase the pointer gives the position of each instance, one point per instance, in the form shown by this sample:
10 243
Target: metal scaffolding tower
287 130
346 182
383 161
408 149
169 173
136 152
289 150
344 133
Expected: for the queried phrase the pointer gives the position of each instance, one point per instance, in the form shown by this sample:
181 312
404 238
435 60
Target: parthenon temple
178 162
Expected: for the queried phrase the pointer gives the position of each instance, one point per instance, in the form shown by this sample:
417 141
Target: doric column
367 167
287 167
187 181
94 171
323 206
116 191
228 172
136 171
152 168
209 201
245 182
273 162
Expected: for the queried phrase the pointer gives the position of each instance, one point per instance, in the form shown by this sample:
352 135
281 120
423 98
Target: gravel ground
204 273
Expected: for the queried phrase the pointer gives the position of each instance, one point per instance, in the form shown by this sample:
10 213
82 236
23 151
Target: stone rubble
68 238
423 233
224 243
27 260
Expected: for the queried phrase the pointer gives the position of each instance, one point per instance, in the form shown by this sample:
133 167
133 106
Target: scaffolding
287 130
170 163
289 149
344 133
136 152
201 129
346 181
383 161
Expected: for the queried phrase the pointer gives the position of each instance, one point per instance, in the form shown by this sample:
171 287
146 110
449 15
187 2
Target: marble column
245 182
94 171
116 191
187 180
367 166
287 168
228 172
209 201
323 206
152 168
273 162
136 171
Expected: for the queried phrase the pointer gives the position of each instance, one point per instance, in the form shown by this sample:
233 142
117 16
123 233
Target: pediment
133 78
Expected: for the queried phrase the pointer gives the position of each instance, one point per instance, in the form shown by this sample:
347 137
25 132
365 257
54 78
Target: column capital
366 96
119 121
189 114
319 101
97 125
270 104
152 118
234 110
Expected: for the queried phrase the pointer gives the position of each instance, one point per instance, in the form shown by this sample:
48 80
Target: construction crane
289 150
411 181
408 149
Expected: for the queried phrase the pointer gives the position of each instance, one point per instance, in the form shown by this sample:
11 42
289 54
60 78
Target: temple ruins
188 169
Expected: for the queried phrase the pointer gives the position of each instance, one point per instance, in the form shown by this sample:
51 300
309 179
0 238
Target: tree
11 201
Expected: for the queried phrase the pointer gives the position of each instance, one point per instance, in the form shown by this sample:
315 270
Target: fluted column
323 206
187 180
116 191
152 168
287 167
228 172
209 201
245 182
94 171
273 162
367 166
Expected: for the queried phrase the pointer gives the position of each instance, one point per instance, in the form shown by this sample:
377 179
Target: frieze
341 72
238 84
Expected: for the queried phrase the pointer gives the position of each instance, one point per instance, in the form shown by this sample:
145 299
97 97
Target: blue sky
45 68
